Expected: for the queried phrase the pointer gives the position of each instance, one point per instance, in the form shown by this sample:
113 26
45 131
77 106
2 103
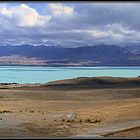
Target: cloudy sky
69 24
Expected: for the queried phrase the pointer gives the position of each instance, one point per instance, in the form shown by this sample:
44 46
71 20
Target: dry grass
95 107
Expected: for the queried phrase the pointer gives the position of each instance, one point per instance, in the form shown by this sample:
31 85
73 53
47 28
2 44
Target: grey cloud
90 23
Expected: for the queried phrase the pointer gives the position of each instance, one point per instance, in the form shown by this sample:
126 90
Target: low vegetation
87 120
5 111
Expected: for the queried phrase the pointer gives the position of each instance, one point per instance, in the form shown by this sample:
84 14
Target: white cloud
24 16
118 28
59 9
5 12
98 33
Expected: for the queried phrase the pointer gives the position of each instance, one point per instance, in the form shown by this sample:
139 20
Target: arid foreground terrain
103 106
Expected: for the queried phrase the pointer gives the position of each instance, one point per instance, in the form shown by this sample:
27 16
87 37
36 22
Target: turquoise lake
24 74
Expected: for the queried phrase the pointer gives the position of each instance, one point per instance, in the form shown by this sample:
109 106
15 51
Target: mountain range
99 55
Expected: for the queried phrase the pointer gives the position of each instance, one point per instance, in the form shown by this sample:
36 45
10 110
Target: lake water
23 74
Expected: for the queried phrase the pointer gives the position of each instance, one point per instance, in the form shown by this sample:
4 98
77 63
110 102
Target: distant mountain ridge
134 49
99 55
